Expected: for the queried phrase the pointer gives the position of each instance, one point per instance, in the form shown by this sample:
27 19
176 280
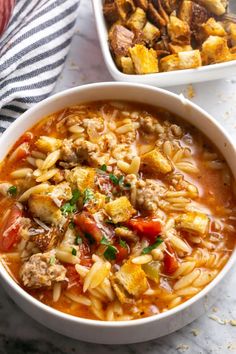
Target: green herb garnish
104 241
78 240
72 225
88 195
12 191
127 185
123 244
103 167
110 253
75 196
154 245
73 251
52 260
68 208
114 179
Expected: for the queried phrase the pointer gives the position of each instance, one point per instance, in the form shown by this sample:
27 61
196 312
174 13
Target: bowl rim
17 289
114 71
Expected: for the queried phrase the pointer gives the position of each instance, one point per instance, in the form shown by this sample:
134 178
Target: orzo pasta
115 211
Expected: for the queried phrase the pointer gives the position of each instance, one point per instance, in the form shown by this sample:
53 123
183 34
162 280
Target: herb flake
73 251
103 167
75 196
88 195
52 260
12 191
78 240
123 244
104 241
157 243
110 253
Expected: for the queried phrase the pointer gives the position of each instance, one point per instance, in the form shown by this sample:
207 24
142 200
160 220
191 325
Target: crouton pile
150 36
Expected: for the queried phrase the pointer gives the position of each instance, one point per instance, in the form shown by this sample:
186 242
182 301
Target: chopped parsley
115 180
88 195
154 245
104 241
52 260
123 244
103 167
127 185
110 253
12 191
67 208
75 196
78 240
72 225
73 251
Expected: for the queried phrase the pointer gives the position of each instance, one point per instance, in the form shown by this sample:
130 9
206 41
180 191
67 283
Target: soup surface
115 211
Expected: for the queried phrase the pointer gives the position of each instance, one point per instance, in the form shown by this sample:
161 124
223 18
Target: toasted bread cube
176 48
194 222
120 39
144 59
96 203
214 50
217 7
233 34
127 65
169 63
213 28
120 210
137 20
155 161
194 14
132 278
83 177
44 208
150 33
61 191
178 31
125 8
48 144
190 60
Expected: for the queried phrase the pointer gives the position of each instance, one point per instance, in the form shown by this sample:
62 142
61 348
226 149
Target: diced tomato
149 228
122 253
74 278
88 226
170 260
9 230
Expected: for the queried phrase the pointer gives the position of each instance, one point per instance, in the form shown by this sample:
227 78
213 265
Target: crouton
143 4
127 65
214 50
178 31
60 192
82 177
96 203
120 210
110 12
194 222
144 59
123 296
125 8
155 161
213 28
169 63
48 144
137 20
44 208
46 242
176 48
192 13
190 60
217 7
155 16
150 34
120 39
132 278
233 34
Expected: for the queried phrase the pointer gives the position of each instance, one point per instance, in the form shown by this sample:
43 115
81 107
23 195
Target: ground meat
124 152
42 270
86 152
147 194
128 138
107 142
150 125
68 152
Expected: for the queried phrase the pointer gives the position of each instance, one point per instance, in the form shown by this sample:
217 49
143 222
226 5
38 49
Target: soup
115 211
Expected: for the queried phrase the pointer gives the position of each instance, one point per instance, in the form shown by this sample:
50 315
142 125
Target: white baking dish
205 73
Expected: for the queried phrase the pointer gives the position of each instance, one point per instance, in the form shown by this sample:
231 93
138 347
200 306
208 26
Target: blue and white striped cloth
32 53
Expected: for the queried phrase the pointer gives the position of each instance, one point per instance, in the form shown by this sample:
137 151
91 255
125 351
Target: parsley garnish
68 208
52 260
78 240
127 185
72 225
103 167
88 195
73 251
123 244
104 241
110 253
75 196
154 245
12 191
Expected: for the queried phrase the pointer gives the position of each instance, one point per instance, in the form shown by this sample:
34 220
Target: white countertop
19 334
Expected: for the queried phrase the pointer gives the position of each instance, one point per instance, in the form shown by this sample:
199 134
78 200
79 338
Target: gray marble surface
19 334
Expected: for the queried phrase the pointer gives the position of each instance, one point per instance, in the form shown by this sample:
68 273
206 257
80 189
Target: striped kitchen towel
32 53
